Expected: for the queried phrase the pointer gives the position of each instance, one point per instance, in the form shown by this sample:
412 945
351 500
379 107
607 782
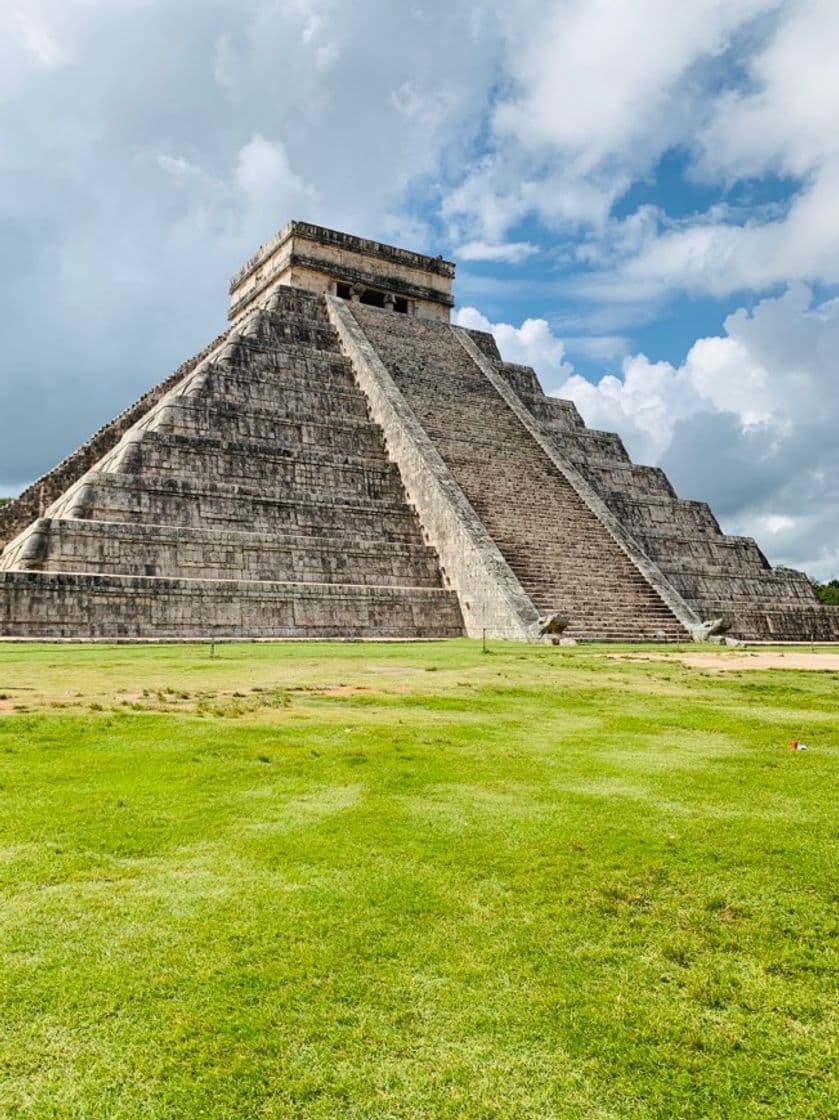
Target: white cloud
234 206
178 167
712 255
264 174
505 188
784 121
643 404
531 344
418 106
38 39
603 78
744 89
598 90
768 368
787 119
225 62
598 348
51 35
511 252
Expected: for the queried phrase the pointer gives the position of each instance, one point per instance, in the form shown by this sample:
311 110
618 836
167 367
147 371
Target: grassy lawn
387 881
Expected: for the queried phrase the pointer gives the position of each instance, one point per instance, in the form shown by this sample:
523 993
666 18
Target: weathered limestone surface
254 498
582 488
717 576
36 604
328 464
564 558
491 597
142 549
317 259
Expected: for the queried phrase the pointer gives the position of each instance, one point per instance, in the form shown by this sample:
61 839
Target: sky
640 196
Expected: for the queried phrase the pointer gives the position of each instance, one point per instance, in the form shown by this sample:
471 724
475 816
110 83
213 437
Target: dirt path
728 662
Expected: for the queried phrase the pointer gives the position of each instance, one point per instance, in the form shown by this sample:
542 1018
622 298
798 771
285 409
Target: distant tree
828 592
4 501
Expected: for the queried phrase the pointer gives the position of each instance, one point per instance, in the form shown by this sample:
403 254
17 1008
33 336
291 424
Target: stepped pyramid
342 462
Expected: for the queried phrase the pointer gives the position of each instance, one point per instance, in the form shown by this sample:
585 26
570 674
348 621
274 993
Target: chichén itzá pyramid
344 462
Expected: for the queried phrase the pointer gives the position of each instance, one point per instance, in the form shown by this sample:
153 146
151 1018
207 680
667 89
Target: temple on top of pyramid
343 462
326 261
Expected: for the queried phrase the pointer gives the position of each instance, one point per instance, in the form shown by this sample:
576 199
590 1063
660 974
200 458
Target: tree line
827 592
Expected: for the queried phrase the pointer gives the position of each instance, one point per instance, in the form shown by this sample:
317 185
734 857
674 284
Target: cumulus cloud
597 347
643 403
581 88
742 89
38 40
786 117
717 256
747 422
768 369
418 106
511 252
266 179
148 147
782 120
531 344
584 115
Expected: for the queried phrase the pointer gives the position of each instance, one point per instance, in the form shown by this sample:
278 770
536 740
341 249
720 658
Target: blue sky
640 197
663 328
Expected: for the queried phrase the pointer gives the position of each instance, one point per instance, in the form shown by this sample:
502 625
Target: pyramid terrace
343 462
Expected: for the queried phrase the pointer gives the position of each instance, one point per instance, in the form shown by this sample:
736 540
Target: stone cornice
340 272
322 236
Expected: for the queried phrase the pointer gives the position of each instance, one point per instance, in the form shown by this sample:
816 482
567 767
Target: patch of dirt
398 670
738 662
339 690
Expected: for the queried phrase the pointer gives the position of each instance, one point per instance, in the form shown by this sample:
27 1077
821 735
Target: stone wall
40 604
72 544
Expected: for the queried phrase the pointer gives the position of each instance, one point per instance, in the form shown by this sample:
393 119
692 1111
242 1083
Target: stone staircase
255 499
717 575
563 556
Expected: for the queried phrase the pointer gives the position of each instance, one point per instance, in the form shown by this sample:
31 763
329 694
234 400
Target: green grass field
392 881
